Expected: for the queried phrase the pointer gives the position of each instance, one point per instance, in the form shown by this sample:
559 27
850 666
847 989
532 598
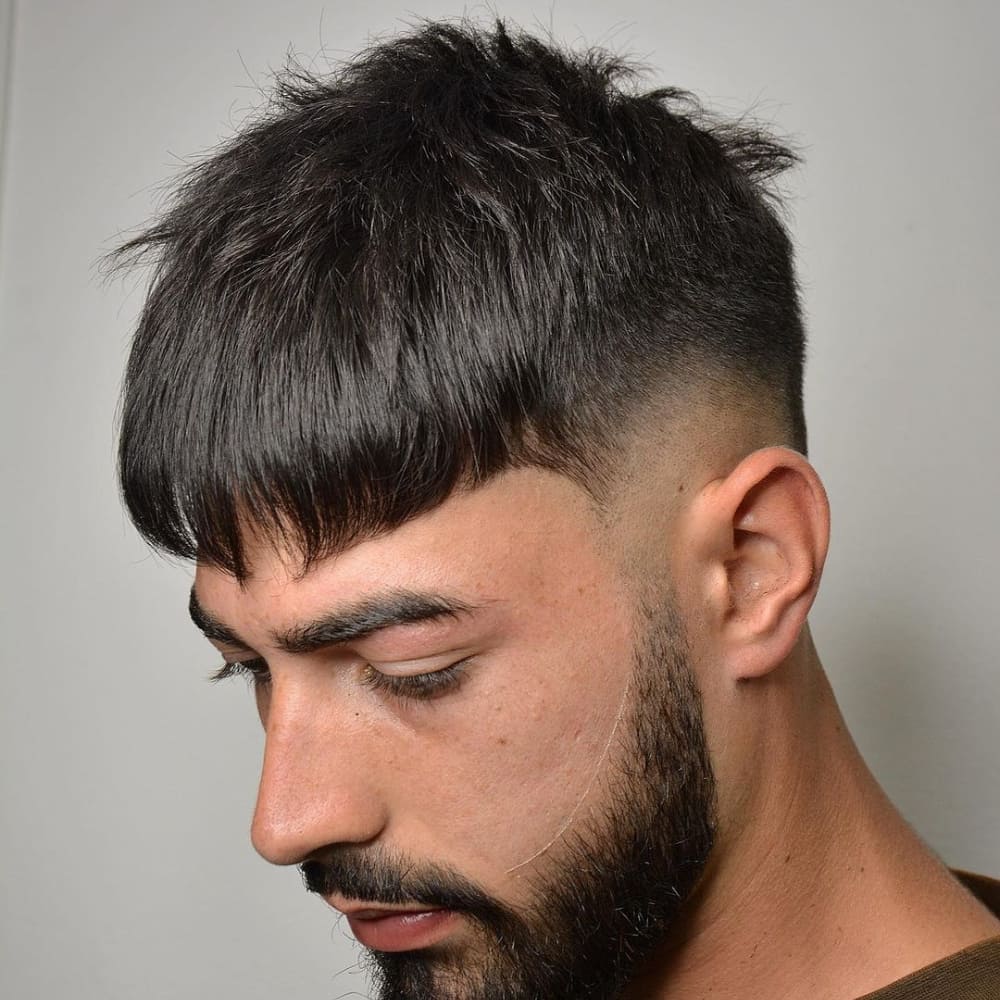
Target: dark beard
607 901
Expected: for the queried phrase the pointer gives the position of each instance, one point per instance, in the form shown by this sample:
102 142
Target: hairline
669 426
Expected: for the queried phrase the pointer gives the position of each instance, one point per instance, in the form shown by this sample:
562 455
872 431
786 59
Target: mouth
400 930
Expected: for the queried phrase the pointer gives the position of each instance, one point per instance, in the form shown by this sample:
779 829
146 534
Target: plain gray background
127 782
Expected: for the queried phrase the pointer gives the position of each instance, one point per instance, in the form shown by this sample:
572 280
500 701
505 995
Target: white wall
127 782
6 51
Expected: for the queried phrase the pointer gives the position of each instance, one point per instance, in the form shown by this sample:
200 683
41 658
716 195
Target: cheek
520 755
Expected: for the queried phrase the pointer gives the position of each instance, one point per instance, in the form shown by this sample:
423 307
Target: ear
762 533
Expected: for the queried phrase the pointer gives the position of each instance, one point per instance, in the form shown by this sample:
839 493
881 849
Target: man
471 379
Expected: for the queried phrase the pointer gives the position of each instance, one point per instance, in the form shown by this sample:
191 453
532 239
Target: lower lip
403 931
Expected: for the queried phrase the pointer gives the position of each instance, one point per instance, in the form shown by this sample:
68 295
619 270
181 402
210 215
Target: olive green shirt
971 974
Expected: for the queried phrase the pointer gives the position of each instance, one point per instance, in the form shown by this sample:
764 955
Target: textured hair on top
466 251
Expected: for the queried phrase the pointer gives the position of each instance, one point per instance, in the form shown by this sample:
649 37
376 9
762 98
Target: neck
817 886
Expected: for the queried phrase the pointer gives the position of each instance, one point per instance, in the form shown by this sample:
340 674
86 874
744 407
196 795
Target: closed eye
413 687
416 687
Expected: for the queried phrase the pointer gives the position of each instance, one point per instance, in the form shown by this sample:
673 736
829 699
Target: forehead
527 533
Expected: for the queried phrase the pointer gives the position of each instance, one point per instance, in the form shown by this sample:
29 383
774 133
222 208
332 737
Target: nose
316 785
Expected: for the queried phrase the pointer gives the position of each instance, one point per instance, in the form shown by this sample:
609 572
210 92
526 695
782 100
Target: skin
816 887
344 764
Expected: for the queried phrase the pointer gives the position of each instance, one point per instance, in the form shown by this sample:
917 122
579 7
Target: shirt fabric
970 974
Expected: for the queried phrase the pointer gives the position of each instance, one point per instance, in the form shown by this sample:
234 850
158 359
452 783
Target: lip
400 930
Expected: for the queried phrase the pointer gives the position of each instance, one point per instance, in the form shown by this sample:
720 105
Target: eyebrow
346 624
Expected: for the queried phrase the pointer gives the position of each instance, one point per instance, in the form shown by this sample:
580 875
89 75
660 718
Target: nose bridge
312 793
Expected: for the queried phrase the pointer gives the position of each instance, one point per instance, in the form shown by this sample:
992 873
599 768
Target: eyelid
416 666
408 687
420 686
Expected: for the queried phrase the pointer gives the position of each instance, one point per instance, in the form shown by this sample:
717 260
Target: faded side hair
465 251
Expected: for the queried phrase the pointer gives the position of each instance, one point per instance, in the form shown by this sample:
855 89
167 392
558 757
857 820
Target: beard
610 891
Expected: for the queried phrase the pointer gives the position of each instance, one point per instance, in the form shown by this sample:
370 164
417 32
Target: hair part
468 250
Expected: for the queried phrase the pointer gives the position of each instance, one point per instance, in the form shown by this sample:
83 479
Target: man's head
553 788
465 377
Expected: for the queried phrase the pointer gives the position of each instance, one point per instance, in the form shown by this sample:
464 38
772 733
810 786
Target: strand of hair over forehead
466 251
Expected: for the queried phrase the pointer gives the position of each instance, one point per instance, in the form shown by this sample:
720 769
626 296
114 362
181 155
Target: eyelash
416 687
413 687
255 671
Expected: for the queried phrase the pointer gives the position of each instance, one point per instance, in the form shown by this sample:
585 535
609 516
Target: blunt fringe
465 251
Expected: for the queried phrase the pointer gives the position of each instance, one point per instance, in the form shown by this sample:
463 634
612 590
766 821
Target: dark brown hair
467 250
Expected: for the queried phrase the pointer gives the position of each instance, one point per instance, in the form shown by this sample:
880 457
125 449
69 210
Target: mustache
373 875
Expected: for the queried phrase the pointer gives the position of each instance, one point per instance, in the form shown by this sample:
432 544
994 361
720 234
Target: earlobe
774 512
